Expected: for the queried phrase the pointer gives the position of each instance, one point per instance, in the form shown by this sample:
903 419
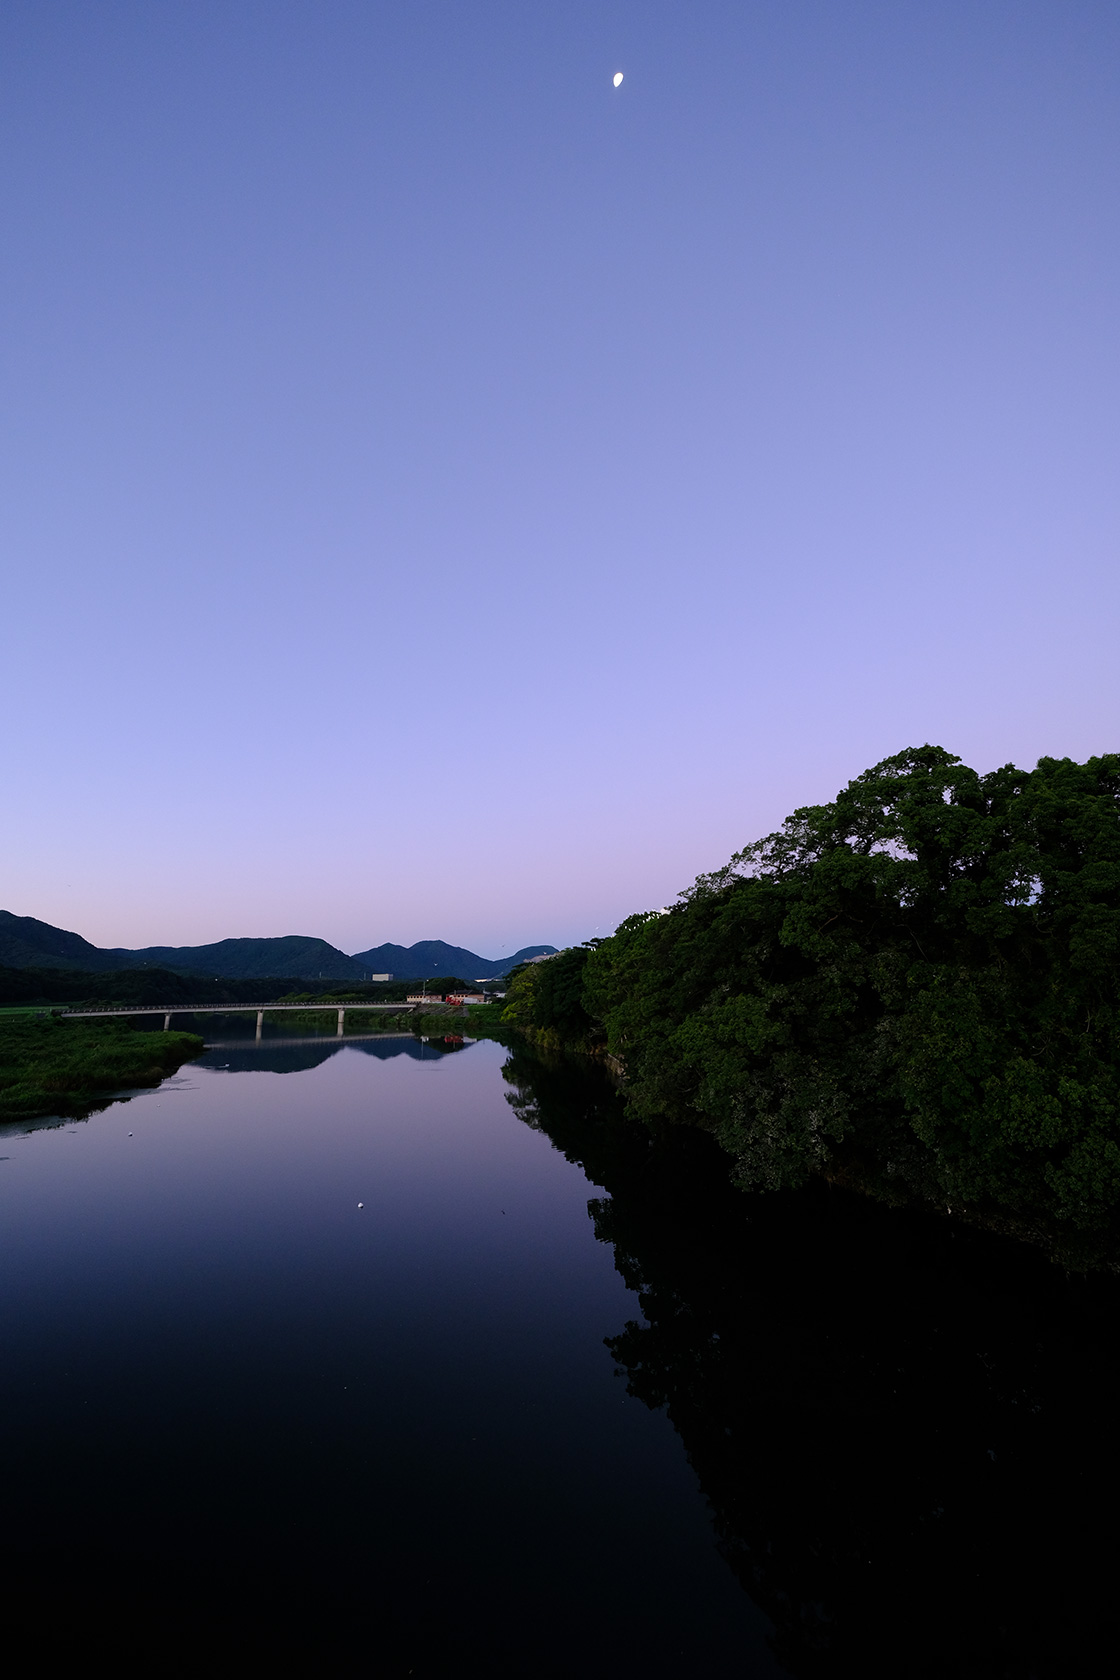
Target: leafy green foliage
914 986
148 986
544 1000
48 1066
44 987
485 1020
389 991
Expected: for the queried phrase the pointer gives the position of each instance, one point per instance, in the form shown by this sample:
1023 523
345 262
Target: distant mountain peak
28 943
434 956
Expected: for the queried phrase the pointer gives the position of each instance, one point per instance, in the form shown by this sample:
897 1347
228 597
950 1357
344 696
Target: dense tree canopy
545 999
914 987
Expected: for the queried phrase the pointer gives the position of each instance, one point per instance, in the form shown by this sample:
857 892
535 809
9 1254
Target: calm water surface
251 1424
239 1408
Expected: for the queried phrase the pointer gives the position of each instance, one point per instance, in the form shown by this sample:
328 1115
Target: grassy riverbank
48 1066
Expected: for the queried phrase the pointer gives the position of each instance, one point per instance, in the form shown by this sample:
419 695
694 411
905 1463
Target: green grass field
48 1066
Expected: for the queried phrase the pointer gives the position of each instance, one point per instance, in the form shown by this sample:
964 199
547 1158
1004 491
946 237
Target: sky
445 496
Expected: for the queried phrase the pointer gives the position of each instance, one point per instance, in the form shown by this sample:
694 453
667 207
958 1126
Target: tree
545 999
914 986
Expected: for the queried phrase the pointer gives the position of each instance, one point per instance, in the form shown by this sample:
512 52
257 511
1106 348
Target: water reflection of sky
250 1412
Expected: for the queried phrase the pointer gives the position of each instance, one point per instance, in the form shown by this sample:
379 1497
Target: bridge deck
260 1010
237 1008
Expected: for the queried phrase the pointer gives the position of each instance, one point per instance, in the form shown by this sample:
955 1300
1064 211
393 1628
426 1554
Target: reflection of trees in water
906 1431
52 1122
275 1056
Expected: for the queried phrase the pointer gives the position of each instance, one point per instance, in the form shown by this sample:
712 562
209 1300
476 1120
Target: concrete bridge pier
341 1018
167 1022
260 1021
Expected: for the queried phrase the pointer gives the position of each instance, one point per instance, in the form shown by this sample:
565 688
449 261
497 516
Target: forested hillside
26 942
147 986
430 957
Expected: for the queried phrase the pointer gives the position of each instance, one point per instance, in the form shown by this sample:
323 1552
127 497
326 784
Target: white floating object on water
361 1204
618 78
130 1134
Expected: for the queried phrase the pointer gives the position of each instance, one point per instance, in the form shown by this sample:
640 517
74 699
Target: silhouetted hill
431 956
42 987
260 958
28 943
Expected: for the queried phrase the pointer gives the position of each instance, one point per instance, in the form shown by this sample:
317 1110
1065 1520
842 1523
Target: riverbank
49 1066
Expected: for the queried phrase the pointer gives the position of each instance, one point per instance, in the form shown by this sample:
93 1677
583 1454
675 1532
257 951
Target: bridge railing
260 1010
230 1008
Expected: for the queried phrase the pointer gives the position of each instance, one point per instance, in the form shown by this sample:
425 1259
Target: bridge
108 1010
303 1043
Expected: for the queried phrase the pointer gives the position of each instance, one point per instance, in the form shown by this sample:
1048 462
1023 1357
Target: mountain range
27 943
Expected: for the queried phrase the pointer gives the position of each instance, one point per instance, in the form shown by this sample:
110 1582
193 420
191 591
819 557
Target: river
393 1357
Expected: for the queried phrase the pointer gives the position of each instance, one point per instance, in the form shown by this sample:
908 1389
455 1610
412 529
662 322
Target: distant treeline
913 989
149 986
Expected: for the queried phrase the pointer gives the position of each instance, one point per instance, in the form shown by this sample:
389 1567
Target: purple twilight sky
447 497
